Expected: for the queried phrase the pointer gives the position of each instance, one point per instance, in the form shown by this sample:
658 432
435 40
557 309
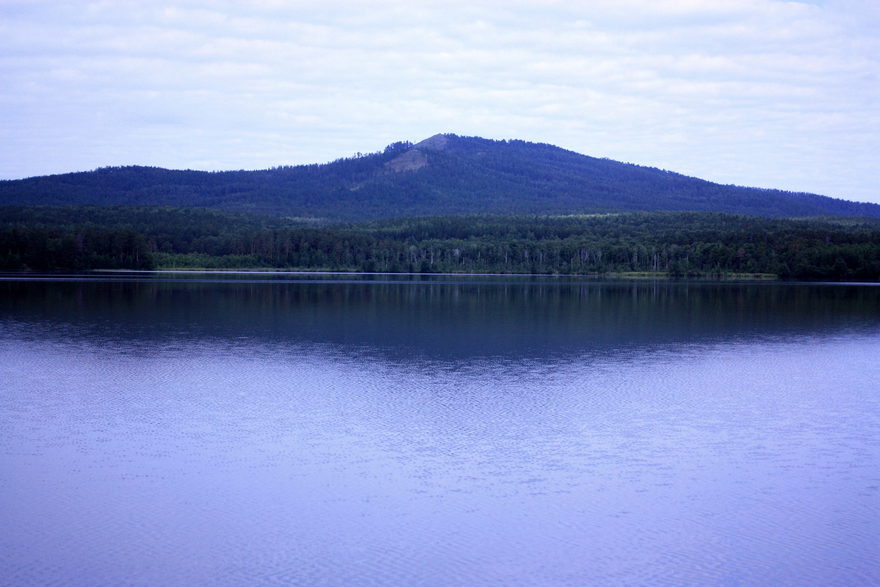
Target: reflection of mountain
437 317
443 175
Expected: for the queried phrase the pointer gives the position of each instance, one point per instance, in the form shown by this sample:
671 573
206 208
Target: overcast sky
752 92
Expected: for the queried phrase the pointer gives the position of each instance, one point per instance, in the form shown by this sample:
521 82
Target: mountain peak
441 175
437 143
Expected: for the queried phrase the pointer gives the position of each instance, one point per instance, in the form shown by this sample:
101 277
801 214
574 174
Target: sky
765 93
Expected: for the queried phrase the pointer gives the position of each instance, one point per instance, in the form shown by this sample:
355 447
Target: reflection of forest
437 315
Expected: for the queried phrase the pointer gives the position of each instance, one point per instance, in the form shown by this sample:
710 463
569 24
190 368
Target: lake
166 429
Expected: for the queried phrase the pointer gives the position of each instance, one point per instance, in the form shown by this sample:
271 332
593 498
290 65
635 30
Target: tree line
463 175
676 244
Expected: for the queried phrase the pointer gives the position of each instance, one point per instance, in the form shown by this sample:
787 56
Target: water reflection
439 318
439 432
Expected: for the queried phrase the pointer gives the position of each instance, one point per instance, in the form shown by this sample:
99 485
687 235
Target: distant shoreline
628 275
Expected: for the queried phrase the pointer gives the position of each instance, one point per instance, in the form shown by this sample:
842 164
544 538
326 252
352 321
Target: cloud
756 92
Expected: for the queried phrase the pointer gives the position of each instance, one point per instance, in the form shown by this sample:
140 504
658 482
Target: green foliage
462 175
49 250
677 244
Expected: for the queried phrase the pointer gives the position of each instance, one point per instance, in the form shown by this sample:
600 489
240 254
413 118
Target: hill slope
445 174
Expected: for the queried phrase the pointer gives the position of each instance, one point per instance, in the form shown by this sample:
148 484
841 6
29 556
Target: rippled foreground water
217 431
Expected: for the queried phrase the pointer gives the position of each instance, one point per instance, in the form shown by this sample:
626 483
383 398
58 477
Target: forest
659 244
441 176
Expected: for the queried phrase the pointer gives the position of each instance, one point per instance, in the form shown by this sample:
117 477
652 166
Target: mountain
443 175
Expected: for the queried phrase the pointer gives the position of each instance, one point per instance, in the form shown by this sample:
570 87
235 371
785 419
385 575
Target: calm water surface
162 430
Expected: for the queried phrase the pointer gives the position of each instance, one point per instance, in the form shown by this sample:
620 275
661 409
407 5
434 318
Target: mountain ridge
441 175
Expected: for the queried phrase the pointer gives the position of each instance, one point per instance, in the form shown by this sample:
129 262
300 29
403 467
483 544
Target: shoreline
627 275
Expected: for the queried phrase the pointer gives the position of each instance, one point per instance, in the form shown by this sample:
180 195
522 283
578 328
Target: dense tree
670 243
445 175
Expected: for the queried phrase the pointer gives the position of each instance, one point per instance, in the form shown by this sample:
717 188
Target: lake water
260 429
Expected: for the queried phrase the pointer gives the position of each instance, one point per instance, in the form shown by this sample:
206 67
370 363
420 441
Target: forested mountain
443 175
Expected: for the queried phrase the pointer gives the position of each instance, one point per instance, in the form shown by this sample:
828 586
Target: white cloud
755 92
